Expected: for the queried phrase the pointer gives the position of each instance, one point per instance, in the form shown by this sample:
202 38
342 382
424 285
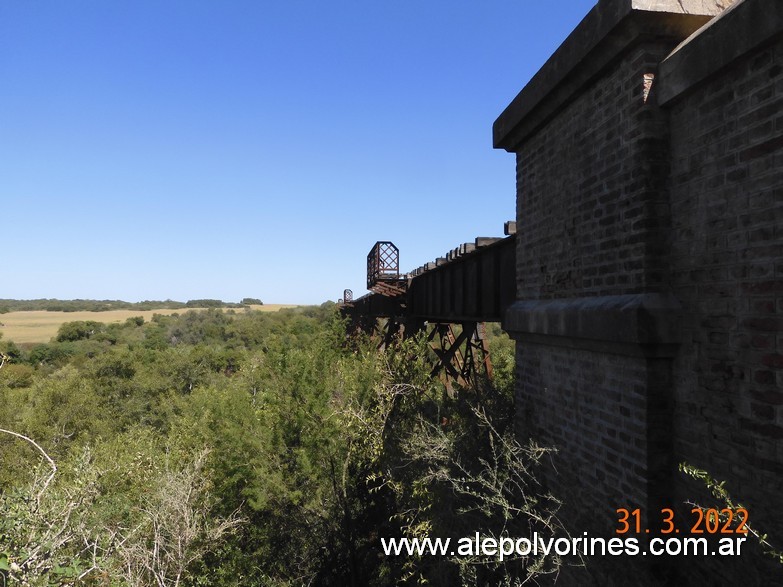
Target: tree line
55 305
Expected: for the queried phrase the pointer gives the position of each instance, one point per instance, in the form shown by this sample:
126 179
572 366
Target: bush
78 330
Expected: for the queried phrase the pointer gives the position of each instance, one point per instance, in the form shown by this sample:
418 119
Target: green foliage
52 355
135 321
44 540
719 492
53 305
451 465
205 303
501 350
251 302
79 330
11 351
317 447
14 376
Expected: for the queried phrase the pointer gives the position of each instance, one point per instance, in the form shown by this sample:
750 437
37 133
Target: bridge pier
649 179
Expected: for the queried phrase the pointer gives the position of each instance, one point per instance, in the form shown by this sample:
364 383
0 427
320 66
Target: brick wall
591 222
727 259
595 408
591 202
650 274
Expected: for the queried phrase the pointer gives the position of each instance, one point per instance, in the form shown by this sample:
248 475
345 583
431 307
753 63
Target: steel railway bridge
450 299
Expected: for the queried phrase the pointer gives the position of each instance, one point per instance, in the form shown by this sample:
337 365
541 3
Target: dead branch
43 452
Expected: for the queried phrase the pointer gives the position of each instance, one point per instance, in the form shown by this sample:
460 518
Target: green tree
78 330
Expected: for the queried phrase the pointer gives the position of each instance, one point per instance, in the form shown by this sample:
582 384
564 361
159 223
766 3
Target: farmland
40 326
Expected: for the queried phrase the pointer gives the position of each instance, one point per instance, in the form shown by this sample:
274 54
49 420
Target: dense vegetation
214 448
53 305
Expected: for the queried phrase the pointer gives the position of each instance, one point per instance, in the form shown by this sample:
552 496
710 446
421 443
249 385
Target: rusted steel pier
450 298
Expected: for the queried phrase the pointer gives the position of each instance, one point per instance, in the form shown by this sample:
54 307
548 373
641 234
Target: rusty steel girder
383 263
462 352
449 299
476 282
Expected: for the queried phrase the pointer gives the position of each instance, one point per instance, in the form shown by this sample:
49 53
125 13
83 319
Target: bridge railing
383 263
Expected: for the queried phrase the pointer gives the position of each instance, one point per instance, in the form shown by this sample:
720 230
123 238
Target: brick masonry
591 226
660 177
727 271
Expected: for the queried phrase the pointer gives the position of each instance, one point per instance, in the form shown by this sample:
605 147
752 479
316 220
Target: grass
41 326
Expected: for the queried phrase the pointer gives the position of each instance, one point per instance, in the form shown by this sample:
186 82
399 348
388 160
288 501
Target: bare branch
42 451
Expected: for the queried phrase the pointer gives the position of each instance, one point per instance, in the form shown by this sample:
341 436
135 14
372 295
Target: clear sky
154 149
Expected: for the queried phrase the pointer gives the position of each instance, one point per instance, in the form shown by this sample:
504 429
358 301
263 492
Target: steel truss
462 353
460 350
449 300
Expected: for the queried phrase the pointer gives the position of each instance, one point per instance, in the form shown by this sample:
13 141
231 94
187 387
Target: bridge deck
473 283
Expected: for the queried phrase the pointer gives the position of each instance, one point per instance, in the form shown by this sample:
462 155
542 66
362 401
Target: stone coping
740 29
609 28
631 324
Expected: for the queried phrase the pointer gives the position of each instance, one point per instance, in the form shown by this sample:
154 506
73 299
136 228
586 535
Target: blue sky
229 149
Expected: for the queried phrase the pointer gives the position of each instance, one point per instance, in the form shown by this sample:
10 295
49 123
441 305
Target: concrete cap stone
623 323
711 7
610 27
740 29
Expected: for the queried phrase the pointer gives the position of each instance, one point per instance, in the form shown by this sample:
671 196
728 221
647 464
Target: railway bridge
451 298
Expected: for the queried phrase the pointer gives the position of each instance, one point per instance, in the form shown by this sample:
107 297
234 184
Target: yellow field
41 326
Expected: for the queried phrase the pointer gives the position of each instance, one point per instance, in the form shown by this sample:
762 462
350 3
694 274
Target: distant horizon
163 301
207 150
